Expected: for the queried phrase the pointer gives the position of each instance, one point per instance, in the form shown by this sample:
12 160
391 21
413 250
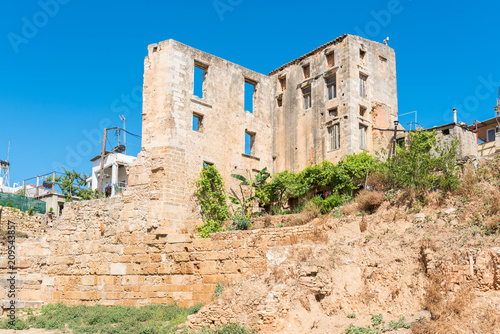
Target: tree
423 163
73 184
254 185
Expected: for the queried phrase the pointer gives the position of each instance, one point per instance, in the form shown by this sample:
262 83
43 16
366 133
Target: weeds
378 326
152 319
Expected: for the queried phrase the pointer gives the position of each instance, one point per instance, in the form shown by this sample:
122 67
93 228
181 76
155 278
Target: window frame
363 80
307 97
494 130
363 140
329 85
334 137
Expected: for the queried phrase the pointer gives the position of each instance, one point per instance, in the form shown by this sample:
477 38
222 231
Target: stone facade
285 134
302 135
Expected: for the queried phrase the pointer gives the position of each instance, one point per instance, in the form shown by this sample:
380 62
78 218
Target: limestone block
178 238
118 269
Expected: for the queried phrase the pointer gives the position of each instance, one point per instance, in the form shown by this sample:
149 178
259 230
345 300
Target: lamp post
396 123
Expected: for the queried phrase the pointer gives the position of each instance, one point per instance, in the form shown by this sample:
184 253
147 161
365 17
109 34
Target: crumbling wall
94 256
302 136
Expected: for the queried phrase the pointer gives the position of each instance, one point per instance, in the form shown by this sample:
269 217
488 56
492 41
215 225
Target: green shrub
211 196
8 204
1 203
422 164
209 227
241 222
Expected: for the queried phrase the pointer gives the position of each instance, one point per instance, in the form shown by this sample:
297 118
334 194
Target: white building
114 172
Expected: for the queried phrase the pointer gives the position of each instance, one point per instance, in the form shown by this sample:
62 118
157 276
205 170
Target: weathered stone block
118 269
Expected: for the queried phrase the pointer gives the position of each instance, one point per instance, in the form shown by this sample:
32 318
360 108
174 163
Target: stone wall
482 268
24 221
93 256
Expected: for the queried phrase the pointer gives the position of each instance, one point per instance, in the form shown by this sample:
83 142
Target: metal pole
395 134
53 181
102 162
37 185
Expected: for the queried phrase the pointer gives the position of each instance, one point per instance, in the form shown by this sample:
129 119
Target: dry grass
312 209
369 201
319 236
363 224
455 312
350 208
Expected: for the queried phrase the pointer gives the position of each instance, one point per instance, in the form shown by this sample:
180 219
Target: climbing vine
211 195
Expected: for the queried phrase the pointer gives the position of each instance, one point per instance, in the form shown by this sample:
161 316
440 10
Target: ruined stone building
338 99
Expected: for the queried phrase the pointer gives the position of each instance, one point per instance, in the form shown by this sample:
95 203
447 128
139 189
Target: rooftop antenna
498 103
411 123
124 133
5 170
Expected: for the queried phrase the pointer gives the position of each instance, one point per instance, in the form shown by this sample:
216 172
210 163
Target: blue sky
69 70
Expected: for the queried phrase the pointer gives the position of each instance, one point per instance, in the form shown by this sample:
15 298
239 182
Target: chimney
455 115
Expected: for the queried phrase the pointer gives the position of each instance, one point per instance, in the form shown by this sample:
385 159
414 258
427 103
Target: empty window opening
249 143
334 137
331 85
206 163
250 88
307 71
362 111
197 122
283 83
330 59
362 85
400 142
307 97
446 132
280 101
155 48
382 59
200 73
362 136
333 112
362 56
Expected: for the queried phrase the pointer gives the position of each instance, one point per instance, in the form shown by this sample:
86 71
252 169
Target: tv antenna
5 170
411 123
124 134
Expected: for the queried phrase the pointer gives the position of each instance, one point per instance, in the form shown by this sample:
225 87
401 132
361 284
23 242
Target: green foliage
341 179
154 319
31 211
73 184
209 227
219 289
351 315
211 195
1 203
333 201
280 189
378 326
20 192
241 222
254 185
227 329
421 164
51 209
8 204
